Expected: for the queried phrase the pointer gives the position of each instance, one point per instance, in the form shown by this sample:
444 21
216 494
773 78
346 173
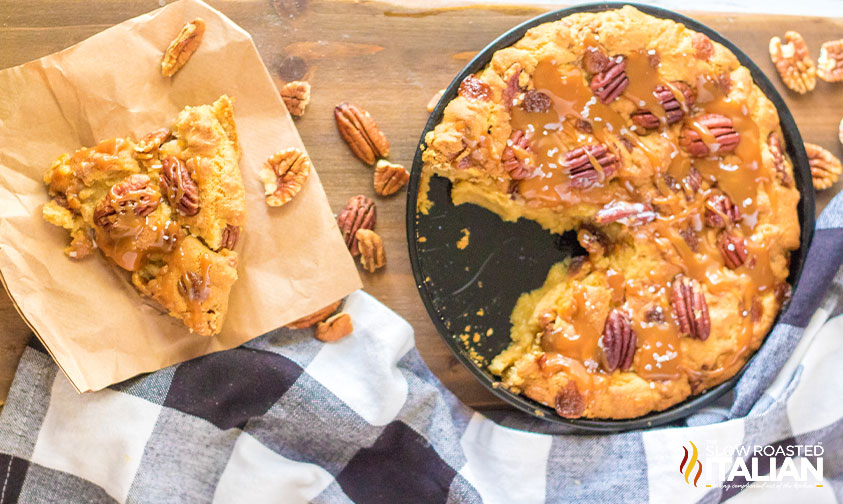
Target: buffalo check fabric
288 419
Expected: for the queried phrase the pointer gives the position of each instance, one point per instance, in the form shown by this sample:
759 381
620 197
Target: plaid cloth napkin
286 418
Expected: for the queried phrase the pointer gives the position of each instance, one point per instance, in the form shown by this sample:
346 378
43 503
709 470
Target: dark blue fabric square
400 467
227 388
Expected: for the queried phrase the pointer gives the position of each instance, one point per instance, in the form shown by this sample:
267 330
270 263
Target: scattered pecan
594 60
618 342
536 101
182 47
569 402
724 82
690 236
372 256
703 46
296 96
361 133
783 293
825 167
733 249
830 62
654 314
150 143
473 88
720 211
132 195
692 183
389 177
334 328
674 110
719 127
230 235
315 317
793 62
690 308
629 213
434 100
192 287
359 213
654 59
645 119
774 142
283 175
593 240
179 186
611 82
757 310
517 158
580 164
511 88
584 126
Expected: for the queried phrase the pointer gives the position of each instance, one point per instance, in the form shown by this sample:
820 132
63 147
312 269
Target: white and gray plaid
287 419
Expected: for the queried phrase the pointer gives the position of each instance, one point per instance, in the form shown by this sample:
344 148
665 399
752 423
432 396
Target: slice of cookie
168 208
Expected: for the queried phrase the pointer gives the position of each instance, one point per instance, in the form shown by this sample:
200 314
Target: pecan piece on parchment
389 177
825 167
517 159
569 402
359 213
315 317
830 62
150 143
733 249
334 328
230 236
720 211
372 255
182 47
618 342
793 62
361 133
180 188
627 212
608 84
133 195
473 88
690 308
776 146
719 135
283 175
296 96
580 165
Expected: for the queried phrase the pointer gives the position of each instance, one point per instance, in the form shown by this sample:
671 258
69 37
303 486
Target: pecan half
630 213
582 165
517 158
296 96
334 328
733 249
673 108
182 47
511 88
618 342
593 240
536 101
473 88
720 211
691 238
230 235
645 119
192 286
719 132
793 62
361 133
359 213
283 175
774 142
830 62
179 186
611 82
703 46
569 402
594 60
372 256
150 143
389 177
133 195
692 183
825 167
315 317
690 308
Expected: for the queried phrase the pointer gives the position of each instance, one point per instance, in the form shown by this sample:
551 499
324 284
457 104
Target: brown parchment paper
293 260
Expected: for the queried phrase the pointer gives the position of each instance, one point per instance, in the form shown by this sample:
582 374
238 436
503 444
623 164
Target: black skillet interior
470 292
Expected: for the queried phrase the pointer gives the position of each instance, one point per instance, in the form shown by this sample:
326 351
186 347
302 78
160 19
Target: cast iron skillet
474 290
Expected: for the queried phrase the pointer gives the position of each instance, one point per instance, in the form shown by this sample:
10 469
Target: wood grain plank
389 60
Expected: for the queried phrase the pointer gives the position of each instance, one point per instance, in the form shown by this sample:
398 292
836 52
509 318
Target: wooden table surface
389 60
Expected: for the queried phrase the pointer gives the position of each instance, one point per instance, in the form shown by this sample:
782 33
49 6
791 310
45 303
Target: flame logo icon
686 467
